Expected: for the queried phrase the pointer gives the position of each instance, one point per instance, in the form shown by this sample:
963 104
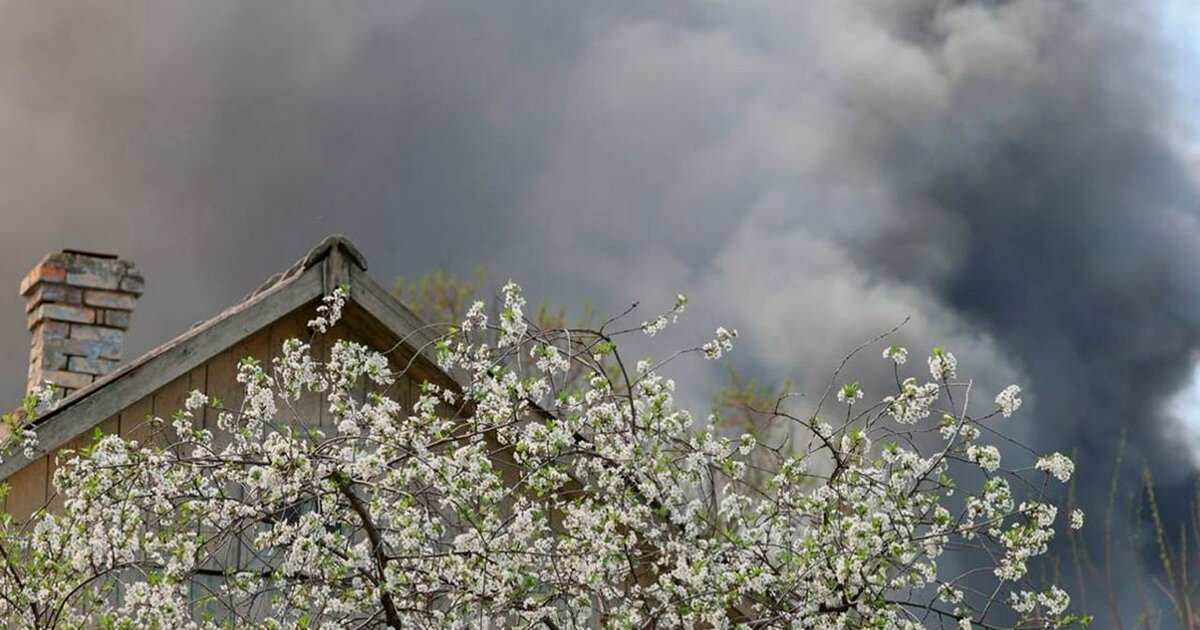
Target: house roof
334 262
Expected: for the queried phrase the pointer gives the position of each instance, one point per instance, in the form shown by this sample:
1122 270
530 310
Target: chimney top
80 252
79 306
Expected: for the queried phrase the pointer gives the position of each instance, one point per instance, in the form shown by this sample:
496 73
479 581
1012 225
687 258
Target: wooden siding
32 487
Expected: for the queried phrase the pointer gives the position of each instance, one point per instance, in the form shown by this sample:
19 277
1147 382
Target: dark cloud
1009 174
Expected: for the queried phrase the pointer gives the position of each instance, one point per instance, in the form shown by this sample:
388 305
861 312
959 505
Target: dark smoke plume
1011 174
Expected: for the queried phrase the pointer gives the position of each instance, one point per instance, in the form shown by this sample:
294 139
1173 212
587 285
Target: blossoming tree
558 486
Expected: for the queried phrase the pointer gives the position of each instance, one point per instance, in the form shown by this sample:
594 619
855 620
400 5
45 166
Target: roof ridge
321 252
313 257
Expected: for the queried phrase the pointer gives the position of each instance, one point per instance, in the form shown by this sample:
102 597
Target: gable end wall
32 487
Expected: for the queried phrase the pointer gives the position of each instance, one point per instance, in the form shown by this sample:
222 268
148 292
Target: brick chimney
79 305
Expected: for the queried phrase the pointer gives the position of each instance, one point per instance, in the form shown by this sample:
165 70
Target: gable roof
334 262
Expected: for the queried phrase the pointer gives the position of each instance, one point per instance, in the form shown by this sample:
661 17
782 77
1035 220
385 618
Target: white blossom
196 400
988 456
654 327
1055 601
46 395
898 354
330 310
476 317
723 342
512 316
913 403
850 393
1023 602
1058 465
1009 400
942 365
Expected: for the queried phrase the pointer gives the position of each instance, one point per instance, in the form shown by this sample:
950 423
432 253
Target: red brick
84 365
96 333
93 280
55 293
115 319
51 330
62 313
45 272
69 380
48 360
109 299
105 348
133 284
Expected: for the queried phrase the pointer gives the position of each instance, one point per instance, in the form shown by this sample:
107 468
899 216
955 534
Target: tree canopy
558 485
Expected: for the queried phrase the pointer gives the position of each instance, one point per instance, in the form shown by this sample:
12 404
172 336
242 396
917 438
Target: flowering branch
558 485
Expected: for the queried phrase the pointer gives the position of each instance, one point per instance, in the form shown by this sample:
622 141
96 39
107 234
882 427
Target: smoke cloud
1012 175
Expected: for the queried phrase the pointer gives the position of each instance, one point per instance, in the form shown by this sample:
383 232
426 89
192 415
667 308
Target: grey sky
1012 175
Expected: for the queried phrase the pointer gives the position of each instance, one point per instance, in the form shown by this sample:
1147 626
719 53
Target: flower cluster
15 429
659 323
1058 465
988 457
914 402
1009 400
722 343
898 354
330 310
942 365
850 393
344 490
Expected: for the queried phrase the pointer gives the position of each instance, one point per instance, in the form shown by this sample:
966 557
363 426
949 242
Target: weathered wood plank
336 268
136 420
222 385
27 489
222 376
307 411
165 403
